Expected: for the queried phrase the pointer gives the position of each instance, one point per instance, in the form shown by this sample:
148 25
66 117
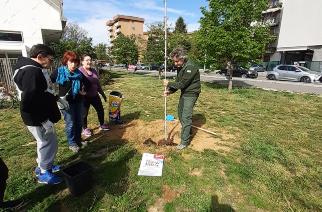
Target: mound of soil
152 133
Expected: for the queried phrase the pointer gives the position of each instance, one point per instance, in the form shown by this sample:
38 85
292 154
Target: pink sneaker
87 132
104 127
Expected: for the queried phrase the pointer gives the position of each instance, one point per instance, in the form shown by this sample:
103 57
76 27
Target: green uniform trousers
185 109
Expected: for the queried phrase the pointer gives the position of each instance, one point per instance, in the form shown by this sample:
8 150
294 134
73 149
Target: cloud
92 15
82 9
152 5
93 22
96 29
193 27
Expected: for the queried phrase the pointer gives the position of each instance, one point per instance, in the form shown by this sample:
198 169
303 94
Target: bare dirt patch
168 195
195 172
145 134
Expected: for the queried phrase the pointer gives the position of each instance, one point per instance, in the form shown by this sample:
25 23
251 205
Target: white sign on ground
151 165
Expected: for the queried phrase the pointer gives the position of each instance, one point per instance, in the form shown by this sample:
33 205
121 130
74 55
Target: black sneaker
12 204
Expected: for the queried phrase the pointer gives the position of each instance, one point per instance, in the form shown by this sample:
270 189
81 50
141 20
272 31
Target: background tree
231 32
179 40
154 53
124 50
75 39
180 26
100 51
74 32
197 53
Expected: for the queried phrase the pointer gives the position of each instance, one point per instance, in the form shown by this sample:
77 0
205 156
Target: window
305 69
14 55
10 36
284 68
291 68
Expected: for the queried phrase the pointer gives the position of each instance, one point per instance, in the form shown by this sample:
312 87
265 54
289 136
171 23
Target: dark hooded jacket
188 80
36 104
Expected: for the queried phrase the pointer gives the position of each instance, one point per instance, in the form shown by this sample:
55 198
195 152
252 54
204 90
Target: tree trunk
229 68
230 82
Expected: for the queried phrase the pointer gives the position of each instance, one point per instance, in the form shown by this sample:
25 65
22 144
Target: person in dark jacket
38 109
72 86
188 81
11 204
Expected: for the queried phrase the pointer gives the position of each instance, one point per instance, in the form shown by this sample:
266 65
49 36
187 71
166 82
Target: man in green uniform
188 81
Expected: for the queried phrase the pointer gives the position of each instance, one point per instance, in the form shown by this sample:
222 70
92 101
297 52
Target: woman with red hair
72 86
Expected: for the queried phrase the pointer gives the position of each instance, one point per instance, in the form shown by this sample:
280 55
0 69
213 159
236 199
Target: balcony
273 6
272 22
117 25
272 10
275 3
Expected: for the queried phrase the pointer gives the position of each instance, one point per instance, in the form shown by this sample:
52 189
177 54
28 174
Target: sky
93 14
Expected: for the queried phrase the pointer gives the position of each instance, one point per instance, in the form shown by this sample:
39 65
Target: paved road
260 82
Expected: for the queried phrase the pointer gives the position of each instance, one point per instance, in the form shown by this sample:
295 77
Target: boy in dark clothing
38 109
3 178
188 80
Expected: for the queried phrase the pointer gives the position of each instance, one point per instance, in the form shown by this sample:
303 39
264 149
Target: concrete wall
131 27
276 57
301 25
317 56
29 17
127 28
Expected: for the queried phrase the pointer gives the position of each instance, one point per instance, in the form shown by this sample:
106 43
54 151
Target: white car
293 73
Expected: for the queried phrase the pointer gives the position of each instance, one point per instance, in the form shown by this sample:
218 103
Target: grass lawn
270 162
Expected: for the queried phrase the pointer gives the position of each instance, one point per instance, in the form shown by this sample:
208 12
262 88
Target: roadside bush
105 77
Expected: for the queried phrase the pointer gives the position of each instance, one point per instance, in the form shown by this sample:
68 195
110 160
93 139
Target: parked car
120 65
257 67
142 66
293 73
170 68
240 72
154 67
132 67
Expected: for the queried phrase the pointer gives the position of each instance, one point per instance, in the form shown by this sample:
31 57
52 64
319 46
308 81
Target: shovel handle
207 131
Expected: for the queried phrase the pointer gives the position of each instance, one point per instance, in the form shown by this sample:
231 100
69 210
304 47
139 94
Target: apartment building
297 26
25 23
300 38
272 16
127 25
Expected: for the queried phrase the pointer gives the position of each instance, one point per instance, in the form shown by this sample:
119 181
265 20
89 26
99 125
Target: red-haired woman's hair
70 56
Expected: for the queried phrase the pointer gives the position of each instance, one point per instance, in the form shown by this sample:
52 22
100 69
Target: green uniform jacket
188 80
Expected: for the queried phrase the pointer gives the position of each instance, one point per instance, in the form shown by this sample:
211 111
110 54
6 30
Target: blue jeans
73 123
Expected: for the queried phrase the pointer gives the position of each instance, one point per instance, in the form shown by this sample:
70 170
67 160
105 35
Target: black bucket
78 177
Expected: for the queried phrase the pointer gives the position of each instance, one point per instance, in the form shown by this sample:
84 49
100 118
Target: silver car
293 73
257 67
